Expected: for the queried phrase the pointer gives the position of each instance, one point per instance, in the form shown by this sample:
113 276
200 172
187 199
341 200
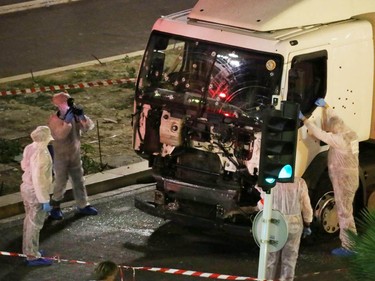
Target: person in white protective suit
293 201
66 128
343 168
35 189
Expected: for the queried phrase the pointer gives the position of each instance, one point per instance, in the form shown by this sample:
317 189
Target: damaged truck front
198 111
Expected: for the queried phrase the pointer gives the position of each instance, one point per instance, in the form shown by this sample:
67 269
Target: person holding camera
66 126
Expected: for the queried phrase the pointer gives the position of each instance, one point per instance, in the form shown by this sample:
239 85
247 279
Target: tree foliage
361 265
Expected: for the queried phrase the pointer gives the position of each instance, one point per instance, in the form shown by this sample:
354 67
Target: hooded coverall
66 149
293 201
35 188
343 167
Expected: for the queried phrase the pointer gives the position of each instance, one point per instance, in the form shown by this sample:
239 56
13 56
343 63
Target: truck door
307 79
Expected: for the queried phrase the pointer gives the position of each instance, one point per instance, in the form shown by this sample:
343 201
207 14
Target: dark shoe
39 262
88 211
342 252
56 214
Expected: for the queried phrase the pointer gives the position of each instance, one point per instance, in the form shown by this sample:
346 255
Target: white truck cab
208 74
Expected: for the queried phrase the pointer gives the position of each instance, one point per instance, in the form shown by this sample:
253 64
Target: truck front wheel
324 206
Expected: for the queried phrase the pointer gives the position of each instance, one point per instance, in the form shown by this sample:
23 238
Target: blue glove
301 116
320 102
46 207
69 117
306 232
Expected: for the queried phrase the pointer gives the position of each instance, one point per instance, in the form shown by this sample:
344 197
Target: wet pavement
131 238
89 239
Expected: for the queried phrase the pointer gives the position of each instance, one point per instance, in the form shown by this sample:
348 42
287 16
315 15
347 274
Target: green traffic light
286 172
270 180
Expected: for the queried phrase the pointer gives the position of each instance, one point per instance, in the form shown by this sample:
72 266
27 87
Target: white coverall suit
66 149
35 188
293 201
343 167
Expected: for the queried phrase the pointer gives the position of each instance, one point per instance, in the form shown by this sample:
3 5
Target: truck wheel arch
315 170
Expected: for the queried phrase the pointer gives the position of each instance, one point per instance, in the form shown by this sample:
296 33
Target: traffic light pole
265 236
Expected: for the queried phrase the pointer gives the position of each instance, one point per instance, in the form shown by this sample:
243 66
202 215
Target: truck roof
268 15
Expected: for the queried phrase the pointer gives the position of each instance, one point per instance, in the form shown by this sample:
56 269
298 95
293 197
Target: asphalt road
61 35
131 238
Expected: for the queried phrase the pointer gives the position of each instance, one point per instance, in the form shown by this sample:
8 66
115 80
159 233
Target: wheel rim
326 213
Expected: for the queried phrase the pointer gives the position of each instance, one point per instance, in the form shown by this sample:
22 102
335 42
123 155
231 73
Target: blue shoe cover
56 214
88 211
342 252
39 262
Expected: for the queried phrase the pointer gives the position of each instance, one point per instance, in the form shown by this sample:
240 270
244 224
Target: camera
76 109
70 102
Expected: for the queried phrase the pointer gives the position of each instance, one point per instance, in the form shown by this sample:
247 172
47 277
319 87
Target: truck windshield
193 72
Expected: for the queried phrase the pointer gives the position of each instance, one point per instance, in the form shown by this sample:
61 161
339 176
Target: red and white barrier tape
170 270
81 85
154 269
58 259
195 273
223 276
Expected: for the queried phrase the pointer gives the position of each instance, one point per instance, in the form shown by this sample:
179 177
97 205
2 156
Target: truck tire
324 206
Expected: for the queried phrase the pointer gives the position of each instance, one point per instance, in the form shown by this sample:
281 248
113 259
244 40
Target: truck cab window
180 72
307 80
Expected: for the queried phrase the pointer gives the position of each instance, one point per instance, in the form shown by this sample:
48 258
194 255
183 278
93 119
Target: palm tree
361 265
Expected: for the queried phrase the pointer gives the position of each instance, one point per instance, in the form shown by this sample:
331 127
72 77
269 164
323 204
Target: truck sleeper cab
201 92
